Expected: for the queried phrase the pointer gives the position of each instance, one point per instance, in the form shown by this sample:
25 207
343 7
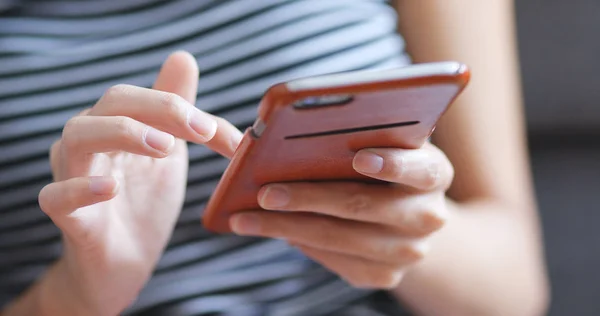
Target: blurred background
560 59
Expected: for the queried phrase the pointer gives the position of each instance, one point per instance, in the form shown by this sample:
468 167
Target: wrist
48 296
68 290
58 295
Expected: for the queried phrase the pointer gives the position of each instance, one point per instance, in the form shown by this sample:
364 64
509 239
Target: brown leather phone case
288 143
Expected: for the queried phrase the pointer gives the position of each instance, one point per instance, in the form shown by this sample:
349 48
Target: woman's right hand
120 173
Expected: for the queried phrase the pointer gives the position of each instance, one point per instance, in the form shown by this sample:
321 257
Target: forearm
488 260
51 295
27 304
484 262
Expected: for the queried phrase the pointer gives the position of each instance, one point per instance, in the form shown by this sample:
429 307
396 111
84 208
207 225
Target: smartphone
309 129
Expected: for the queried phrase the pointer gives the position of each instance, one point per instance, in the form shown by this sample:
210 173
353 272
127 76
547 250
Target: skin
485 220
494 228
443 244
120 172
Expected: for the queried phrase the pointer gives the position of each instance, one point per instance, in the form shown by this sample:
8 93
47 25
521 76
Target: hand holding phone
310 129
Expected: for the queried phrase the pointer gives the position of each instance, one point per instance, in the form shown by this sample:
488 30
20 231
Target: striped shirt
58 57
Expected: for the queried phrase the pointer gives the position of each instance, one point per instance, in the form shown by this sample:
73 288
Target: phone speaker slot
352 130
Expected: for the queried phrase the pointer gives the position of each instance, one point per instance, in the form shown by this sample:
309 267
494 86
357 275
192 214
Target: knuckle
432 220
54 147
397 166
450 170
171 104
84 112
70 133
387 279
400 252
358 204
447 175
116 92
53 152
445 167
377 279
124 126
414 251
432 176
54 156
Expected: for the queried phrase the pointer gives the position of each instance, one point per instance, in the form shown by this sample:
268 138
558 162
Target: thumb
179 74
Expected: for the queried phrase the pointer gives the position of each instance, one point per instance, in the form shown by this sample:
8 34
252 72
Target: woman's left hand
368 234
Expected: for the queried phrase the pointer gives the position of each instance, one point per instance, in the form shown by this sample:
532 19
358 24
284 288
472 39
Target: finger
55 159
84 112
227 139
85 135
55 149
425 169
359 272
162 110
168 105
59 199
179 75
368 241
414 215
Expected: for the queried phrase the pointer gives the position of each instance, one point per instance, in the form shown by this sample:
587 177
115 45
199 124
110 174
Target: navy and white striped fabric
57 57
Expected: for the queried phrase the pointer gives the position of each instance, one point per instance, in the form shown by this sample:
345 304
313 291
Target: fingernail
159 140
103 185
203 125
245 224
368 162
274 196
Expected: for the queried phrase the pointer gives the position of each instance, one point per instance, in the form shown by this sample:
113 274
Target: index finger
226 139
170 113
179 75
169 106
162 110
